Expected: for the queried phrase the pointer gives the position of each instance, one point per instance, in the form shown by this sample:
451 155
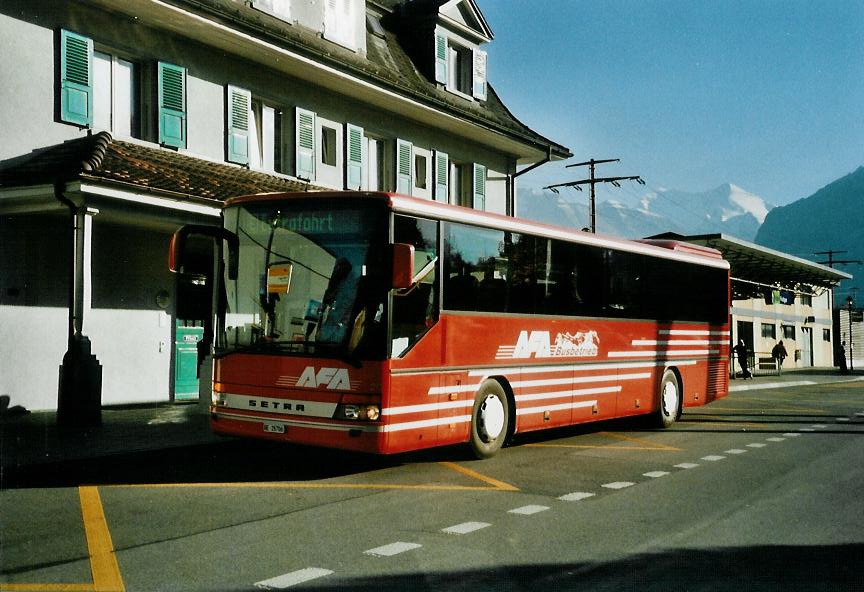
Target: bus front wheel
490 420
670 400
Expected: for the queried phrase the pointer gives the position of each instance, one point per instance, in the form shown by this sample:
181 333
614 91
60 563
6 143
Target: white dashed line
791 435
842 420
656 474
820 426
735 451
619 485
776 439
392 549
757 445
294 578
686 466
806 430
576 496
465 527
528 510
713 457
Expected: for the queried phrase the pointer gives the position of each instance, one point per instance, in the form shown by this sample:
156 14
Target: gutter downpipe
79 397
511 185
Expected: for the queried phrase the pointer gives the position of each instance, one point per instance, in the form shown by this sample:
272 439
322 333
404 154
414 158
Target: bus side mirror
403 266
177 249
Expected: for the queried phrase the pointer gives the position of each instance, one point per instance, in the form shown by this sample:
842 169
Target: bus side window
415 310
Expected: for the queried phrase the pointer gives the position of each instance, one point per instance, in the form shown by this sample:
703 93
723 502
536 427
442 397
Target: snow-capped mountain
728 209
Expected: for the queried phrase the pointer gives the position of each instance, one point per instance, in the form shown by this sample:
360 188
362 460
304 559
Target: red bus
383 323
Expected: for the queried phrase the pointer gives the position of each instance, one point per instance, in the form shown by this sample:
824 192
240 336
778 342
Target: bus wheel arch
492 418
671 398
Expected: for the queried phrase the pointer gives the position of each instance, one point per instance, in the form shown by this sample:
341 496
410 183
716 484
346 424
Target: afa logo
539 344
331 378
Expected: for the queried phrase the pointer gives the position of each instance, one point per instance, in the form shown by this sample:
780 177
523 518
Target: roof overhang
165 16
755 268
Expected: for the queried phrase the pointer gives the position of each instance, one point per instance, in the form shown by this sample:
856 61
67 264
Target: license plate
274 428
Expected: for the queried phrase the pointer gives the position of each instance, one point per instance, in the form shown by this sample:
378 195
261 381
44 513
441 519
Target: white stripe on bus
561 407
693 332
485 372
572 393
637 342
681 352
427 407
426 423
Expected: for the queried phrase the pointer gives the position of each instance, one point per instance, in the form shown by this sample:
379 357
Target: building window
769 330
459 68
806 299
328 146
826 335
116 105
421 164
376 164
789 332
265 147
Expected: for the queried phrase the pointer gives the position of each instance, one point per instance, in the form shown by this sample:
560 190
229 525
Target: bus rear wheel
670 400
490 420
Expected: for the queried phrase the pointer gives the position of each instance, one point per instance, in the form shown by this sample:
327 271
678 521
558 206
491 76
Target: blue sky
690 94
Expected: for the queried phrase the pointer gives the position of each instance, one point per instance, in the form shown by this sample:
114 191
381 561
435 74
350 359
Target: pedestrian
841 358
741 353
779 354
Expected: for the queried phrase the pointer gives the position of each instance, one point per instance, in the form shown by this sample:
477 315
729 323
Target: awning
755 268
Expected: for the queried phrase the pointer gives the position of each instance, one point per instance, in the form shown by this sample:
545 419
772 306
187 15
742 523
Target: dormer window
460 67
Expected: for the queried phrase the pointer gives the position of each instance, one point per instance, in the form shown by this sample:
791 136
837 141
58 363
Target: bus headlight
218 399
358 412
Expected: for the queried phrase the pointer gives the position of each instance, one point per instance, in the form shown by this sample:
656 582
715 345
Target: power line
592 181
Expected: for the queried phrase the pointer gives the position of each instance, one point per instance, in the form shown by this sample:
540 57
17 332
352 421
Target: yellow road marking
499 485
642 446
103 560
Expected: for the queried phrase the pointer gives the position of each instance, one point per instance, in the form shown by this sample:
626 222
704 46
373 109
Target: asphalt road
760 491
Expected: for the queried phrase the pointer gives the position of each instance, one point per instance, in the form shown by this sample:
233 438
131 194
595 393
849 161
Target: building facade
126 119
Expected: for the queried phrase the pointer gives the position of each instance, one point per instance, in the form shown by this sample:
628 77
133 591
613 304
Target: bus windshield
310 280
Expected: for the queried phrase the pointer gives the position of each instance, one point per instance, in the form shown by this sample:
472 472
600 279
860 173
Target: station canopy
755 268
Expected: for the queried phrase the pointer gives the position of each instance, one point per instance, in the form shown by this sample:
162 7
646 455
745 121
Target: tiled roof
99 157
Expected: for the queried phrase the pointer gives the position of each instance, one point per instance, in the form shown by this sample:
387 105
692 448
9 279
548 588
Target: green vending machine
186 361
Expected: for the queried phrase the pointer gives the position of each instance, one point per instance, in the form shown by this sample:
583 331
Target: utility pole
592 180
832 262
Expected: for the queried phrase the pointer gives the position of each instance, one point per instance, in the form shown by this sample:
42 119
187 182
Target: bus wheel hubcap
491 418
670 398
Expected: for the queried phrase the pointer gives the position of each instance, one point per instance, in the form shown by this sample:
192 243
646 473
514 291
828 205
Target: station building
124 119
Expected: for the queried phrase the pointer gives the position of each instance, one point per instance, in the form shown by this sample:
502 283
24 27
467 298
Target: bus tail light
358 412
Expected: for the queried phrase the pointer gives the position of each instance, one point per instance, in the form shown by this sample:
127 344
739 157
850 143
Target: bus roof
667 249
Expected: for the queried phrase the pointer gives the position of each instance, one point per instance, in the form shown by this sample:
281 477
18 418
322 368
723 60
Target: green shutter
76 79
440 58
442 177
172 105
404 179
479 187
237 104
353 157
305 148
